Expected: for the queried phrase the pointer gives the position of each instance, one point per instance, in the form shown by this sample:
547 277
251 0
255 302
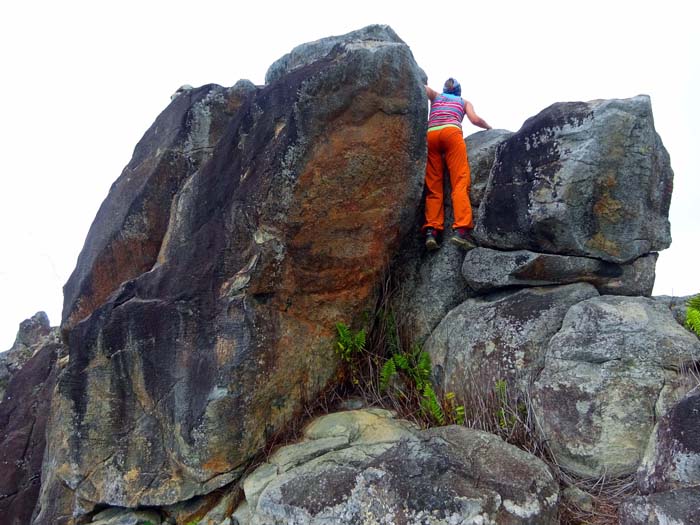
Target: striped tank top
446 110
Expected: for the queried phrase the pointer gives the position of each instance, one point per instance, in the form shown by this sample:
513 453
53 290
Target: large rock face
177 378
365 467
581 178
24 412
614 367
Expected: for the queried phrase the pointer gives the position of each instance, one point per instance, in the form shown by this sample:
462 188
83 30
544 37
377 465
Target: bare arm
431 93
473 117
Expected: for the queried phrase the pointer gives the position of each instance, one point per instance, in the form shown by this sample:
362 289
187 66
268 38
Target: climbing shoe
431 243
460 237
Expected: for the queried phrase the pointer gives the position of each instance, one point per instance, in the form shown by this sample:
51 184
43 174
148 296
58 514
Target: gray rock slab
614 367
486 269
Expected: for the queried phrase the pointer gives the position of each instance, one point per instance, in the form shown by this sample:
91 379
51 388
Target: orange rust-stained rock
222 326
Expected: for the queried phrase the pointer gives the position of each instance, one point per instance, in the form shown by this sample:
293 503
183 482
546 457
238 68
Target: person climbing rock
445 140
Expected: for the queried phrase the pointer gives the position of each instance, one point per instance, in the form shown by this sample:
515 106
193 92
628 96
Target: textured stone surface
672 459
486 269
310 52
431 281
581 178
500 336
481 150
388 471
24 412
678 305
117 516
31 336
182 374
609 372
676 507
125 237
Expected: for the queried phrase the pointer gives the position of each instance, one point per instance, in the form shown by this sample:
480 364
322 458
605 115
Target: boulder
486 269
500 336
24 412
366 467
581 178
127 233
675 507
615 366
179 377
672 459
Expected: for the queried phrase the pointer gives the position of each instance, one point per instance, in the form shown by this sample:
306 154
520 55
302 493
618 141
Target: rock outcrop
365 467
200 318
24 409
216 337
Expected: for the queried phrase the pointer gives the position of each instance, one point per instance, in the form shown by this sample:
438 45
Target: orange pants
450 143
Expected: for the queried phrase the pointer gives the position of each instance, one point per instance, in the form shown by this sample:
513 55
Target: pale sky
82 81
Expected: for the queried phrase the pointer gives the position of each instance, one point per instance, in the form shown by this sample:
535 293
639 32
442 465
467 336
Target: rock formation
200 318
249 222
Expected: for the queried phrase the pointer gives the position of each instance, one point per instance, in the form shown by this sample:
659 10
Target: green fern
401 361
692 316
430 404
387 373
348 345
424 369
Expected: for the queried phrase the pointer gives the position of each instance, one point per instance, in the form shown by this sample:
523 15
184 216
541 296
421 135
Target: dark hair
452 87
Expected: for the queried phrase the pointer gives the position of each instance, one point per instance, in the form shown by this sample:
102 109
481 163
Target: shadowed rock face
125 237
590 179
181 374
24 411
672 459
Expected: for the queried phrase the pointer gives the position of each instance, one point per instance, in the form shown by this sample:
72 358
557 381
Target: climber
447 110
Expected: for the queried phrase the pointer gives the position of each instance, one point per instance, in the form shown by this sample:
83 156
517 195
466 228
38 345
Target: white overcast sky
82 81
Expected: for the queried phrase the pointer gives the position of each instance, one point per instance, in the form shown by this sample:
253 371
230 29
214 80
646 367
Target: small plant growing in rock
416 369
692 316
457 413
348 344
